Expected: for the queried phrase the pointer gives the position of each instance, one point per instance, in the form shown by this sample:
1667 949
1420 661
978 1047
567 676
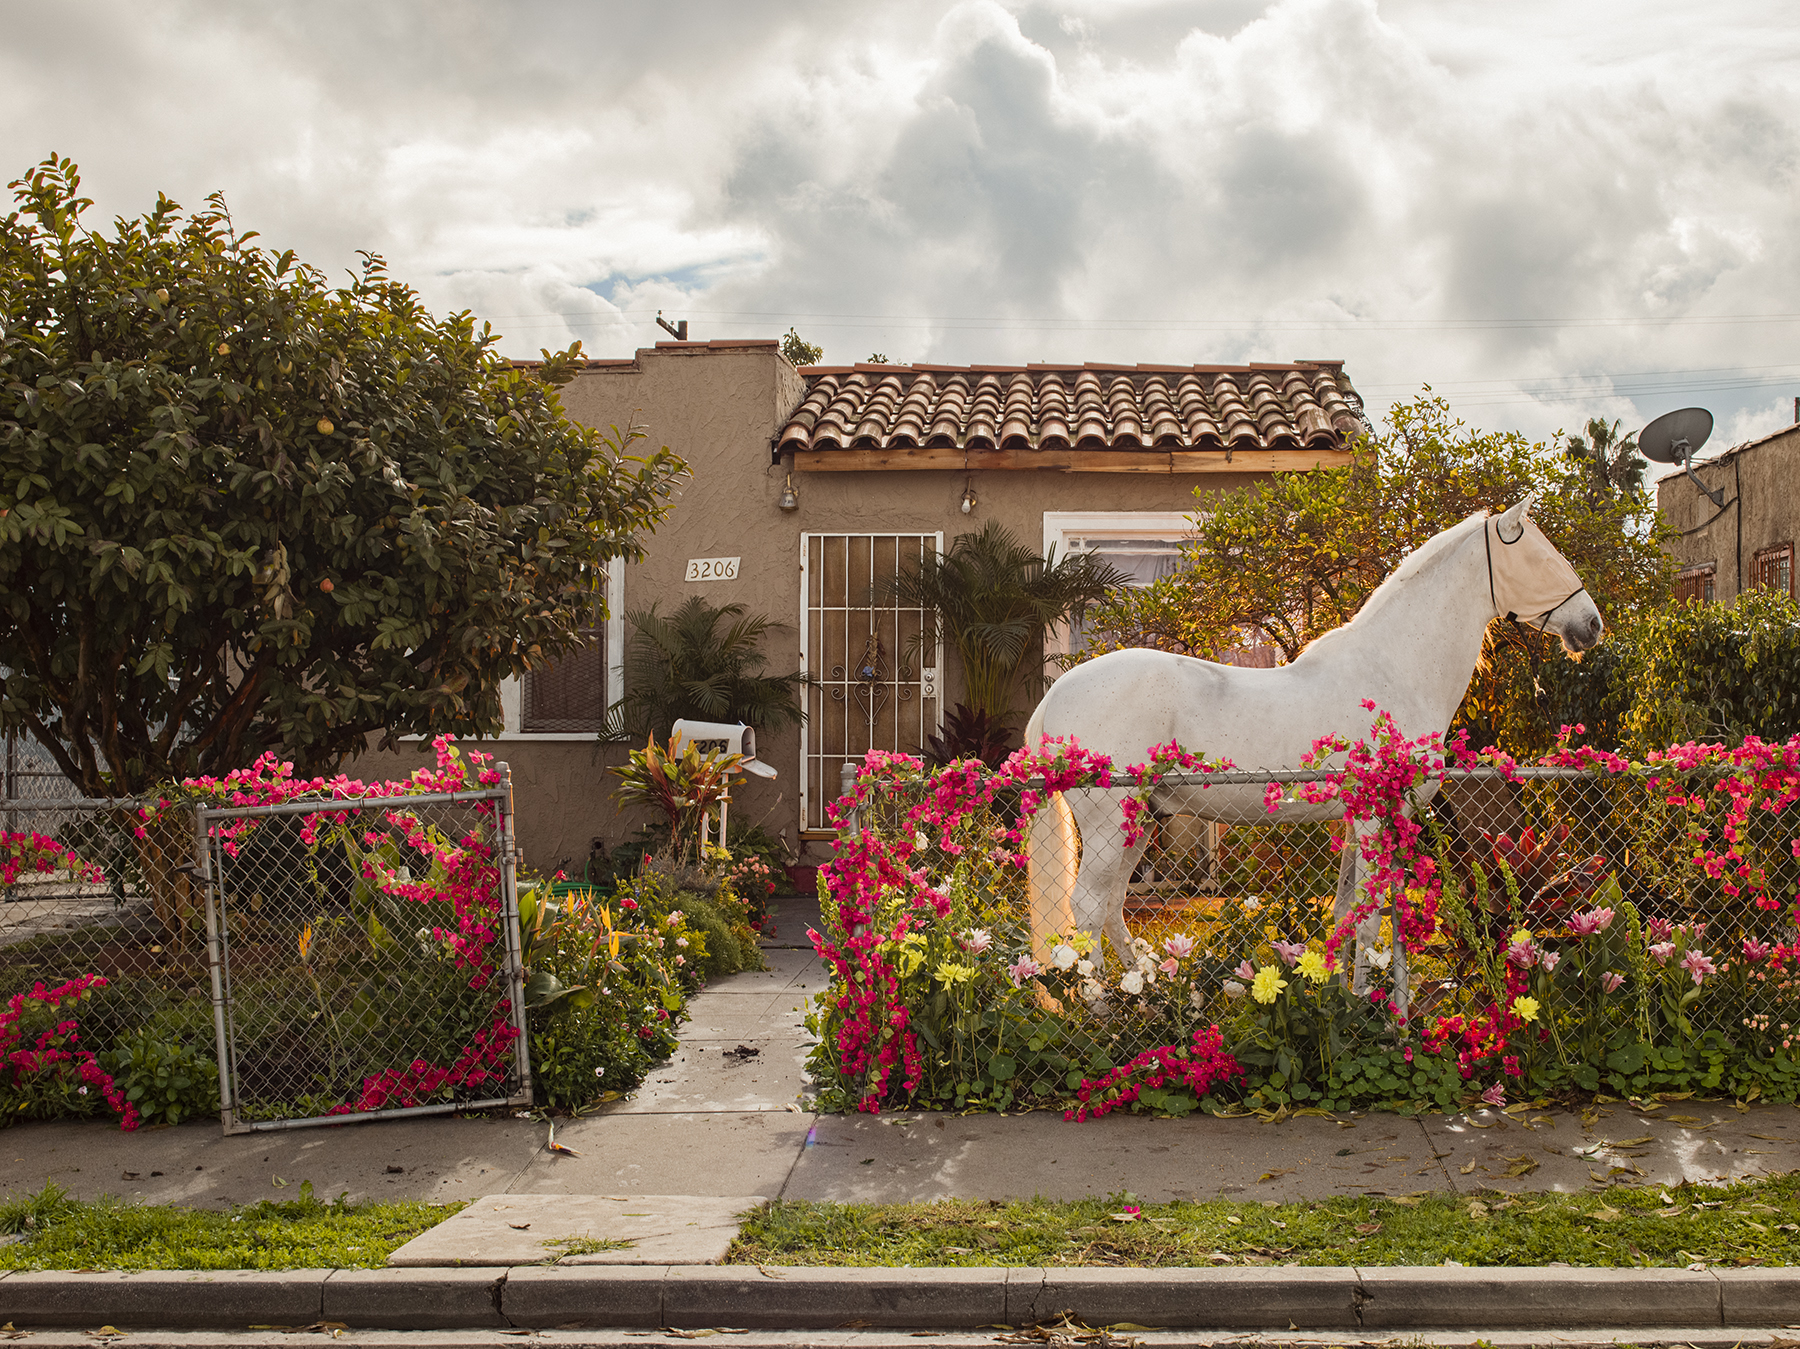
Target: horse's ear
1512 521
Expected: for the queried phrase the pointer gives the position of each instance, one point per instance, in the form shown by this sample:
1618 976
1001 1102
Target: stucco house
809 484
1723 549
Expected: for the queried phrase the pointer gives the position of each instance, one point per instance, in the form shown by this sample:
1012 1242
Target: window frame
1766 557
512 688
1706 572
1060 526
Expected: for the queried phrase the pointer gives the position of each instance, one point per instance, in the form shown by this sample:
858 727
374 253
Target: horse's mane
1422 559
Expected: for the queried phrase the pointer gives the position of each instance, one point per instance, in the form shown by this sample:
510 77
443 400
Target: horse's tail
1051 848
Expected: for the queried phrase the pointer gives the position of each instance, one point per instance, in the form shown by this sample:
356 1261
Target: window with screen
569 696
1773 569
1695 584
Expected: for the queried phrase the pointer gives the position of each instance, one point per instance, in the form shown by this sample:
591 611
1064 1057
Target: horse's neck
1416 650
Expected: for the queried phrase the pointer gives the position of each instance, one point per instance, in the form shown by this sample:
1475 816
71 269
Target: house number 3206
712 569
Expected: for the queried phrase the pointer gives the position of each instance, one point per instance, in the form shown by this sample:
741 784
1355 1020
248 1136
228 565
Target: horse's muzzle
1583 634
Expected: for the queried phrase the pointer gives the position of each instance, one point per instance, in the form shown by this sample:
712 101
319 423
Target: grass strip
57 1232
1747 1224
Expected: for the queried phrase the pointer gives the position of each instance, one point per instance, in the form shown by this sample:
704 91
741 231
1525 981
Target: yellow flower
1267 984
1522 937
1312 965
1526 1009
950 973
306 941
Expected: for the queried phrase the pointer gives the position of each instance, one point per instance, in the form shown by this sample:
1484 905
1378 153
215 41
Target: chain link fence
973 967
337 960
366 958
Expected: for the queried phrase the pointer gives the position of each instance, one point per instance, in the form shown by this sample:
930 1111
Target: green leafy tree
1294 555
685 665
241 510
799 351
994 599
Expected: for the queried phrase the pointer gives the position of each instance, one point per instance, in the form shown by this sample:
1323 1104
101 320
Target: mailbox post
722 737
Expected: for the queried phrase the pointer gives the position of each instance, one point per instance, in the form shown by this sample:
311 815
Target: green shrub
167 1081
1715 672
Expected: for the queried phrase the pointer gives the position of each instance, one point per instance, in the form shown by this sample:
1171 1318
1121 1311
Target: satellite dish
1676 437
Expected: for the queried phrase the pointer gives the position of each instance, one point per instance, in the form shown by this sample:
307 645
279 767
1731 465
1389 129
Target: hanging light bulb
968 497
790 499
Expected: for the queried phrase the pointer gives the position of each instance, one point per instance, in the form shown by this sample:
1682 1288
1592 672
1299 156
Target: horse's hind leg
1098 900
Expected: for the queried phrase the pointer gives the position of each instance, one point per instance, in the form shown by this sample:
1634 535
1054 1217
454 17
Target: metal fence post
215 962
509 918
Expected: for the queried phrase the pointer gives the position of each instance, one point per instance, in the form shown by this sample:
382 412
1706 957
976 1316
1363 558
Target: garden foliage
1638 939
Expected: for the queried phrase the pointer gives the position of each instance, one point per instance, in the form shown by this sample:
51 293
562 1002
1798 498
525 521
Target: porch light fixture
790 499
969 499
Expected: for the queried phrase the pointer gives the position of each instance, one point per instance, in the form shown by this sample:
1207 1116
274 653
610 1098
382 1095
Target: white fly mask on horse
1530 582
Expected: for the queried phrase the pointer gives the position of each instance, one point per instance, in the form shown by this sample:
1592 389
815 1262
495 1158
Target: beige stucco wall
719 408
1761 483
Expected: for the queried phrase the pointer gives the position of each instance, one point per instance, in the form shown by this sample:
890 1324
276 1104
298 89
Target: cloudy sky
1545 210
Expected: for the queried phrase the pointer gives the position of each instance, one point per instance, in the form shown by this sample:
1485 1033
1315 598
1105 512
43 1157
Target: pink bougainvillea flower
1698 965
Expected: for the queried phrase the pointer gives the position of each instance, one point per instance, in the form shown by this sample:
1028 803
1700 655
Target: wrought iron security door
874 685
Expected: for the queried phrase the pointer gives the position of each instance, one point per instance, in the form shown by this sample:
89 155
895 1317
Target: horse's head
1531 582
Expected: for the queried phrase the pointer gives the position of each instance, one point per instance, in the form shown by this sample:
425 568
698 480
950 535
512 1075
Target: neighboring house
1720 551
880 460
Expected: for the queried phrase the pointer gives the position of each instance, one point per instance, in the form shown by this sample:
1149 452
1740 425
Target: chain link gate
365 957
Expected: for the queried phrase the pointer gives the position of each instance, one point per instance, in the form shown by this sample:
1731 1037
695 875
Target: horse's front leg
1098 900
1353 887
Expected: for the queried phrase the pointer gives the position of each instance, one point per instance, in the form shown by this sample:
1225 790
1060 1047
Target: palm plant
685 665
994 599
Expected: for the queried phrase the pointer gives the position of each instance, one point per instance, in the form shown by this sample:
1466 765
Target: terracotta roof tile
1305 405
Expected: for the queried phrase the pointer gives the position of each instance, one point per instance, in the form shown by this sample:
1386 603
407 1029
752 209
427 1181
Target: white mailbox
723 737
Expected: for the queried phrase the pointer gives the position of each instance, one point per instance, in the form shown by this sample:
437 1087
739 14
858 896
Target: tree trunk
175 894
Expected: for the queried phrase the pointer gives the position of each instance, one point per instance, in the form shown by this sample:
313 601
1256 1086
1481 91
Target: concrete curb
1345 1298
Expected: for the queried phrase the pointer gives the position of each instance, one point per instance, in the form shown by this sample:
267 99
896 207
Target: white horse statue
1411 649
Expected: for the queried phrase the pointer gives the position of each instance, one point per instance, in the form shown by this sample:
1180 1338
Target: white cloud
965 180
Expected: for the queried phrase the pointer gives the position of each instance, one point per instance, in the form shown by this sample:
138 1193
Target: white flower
1195 1001
1133 982
920 841
1064 957
1382 959
1233 990
1091 990
1140 945
1252 904
681 942
1084 967
979 941
600 1072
